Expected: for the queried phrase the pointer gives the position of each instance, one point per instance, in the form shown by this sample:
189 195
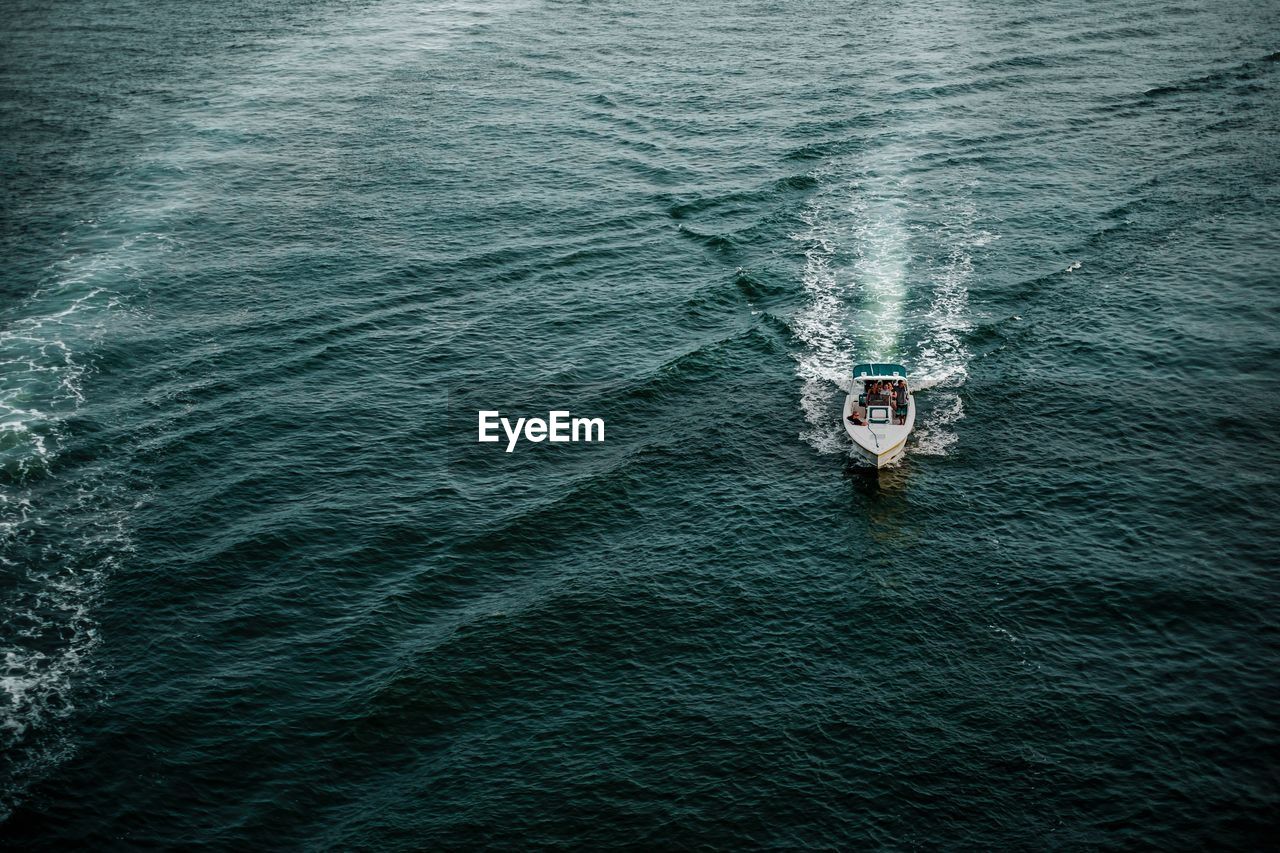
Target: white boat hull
879 445
881 460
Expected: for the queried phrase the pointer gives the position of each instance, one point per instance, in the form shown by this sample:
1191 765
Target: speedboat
874 414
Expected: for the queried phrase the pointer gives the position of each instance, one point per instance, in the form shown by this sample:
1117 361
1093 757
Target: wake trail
942 359
865 238
62 531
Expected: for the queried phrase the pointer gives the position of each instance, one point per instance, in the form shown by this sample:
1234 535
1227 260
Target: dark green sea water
263 261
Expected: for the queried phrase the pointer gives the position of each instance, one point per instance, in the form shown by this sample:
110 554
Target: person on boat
900 400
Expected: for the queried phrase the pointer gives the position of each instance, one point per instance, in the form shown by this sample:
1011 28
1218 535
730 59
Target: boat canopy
879 371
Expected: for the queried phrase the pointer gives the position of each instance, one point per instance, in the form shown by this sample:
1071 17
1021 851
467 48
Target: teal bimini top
879 371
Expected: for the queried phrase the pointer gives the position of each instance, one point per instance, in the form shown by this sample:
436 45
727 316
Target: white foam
46 345
855 261
46 341
857 265
1004 632
42 338
935 434
53 632
942 363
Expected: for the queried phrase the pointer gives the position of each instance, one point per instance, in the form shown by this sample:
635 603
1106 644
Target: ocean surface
263 262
